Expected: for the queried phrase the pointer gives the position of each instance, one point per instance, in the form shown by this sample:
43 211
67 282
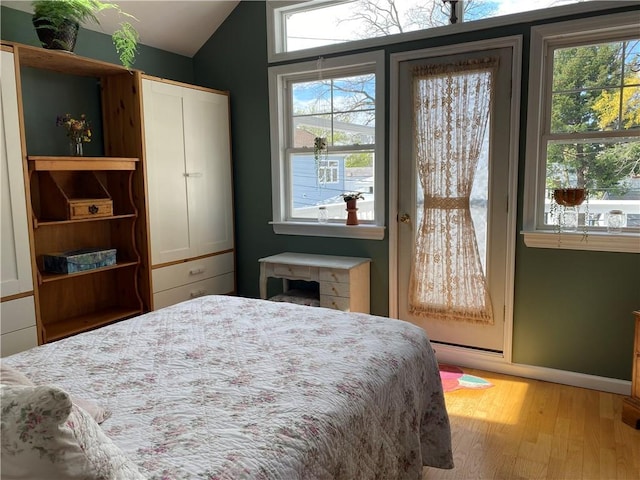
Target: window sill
364 231
594 241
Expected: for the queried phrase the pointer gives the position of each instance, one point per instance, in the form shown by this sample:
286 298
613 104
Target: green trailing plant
54 14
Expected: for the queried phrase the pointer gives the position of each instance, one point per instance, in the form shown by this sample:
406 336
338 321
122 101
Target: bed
225 387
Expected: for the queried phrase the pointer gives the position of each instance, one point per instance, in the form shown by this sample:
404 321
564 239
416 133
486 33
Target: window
584 135
335 103
328 172
296 28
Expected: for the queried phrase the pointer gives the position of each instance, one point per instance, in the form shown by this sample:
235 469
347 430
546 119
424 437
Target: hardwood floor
528 429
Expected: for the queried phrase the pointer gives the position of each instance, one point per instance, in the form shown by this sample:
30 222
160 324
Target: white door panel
488 205
168 202
15 262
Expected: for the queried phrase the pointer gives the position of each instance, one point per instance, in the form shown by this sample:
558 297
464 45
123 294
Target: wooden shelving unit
67 304
81 323
52 164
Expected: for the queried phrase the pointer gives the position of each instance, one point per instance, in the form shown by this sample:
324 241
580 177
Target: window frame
277 9
543 38
280 115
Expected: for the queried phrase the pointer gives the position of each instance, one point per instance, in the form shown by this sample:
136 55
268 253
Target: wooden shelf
54 223
54 277
71 326
59 163
64 62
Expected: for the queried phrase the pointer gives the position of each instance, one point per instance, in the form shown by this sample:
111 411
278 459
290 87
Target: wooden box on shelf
73 195
631 405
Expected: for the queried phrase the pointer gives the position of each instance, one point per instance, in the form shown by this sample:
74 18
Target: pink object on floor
454 378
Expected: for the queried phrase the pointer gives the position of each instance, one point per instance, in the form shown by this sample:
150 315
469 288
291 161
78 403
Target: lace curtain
451 110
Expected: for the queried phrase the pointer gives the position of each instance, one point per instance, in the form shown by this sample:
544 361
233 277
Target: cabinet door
167 184
16 260
208 168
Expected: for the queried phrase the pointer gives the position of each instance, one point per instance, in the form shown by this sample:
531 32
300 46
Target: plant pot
62 37
352 216
569 197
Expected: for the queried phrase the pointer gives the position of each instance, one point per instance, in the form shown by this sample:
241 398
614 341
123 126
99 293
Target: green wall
49 94
16 26
572 308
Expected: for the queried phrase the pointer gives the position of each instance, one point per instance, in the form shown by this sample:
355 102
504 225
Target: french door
433 270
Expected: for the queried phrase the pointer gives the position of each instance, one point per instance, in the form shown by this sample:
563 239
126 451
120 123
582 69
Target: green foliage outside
585 99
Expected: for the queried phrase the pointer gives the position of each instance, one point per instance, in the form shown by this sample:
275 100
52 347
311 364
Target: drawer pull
334 290
196 271
197 293
93 209
192 174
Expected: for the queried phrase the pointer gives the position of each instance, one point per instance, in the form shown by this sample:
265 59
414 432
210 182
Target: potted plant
320 153
350 199
57 23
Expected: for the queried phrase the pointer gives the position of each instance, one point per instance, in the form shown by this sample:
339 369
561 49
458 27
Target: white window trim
535 236
279 122
275 28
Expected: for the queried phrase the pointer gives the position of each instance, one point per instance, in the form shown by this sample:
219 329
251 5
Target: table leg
263 281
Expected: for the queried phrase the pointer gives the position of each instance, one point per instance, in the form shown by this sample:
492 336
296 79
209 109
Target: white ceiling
175 26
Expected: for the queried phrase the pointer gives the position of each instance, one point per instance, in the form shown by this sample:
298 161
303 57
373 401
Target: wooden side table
344 281
631 405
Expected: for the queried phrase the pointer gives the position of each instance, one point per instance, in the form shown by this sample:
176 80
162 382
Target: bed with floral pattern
224 387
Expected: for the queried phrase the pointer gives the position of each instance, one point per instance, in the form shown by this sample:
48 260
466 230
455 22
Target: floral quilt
224 387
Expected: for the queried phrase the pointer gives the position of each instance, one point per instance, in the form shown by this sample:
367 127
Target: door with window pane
454 127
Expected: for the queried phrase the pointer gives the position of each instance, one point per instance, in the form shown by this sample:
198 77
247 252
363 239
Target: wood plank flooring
528 429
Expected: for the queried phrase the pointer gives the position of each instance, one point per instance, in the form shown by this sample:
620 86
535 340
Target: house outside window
584 133
339 100
328 172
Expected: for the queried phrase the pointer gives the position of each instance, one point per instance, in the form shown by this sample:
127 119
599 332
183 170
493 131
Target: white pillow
45 436
11 376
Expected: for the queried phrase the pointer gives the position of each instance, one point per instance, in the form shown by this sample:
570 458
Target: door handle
405 218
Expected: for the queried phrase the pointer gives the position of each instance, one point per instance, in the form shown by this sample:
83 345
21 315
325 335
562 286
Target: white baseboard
494 362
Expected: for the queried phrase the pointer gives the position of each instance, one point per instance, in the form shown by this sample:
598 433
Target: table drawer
189 272
334 289
17 314
18 341
221 284
337 303
295 272
334 275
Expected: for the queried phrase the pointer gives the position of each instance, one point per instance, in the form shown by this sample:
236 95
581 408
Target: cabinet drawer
90 208
18 341
337 303
334 275
189 272
17 314
295 272
334 289
218 285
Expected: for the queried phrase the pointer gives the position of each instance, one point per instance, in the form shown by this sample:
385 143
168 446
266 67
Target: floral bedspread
230 388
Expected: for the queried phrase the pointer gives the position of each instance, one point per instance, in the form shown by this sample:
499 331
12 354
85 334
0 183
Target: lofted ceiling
180 27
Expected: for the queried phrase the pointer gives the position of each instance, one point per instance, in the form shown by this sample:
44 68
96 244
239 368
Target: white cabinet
18 325
211 275
18 318
189 179
187 144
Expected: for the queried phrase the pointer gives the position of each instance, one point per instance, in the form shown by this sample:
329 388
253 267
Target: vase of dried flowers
78 132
